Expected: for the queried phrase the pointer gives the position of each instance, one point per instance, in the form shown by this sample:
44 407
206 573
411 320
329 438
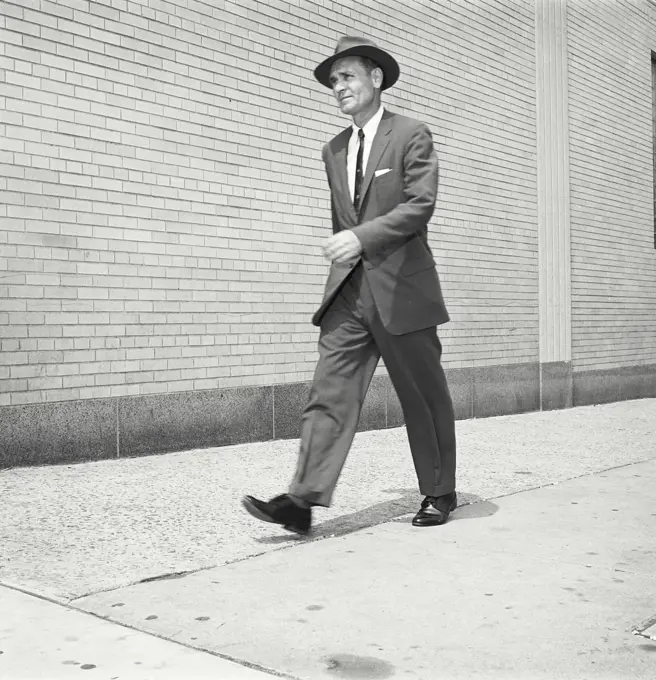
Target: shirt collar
371 127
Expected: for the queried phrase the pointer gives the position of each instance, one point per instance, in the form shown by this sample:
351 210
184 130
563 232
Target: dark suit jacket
392 224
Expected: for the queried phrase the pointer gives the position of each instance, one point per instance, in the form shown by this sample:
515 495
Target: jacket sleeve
420 177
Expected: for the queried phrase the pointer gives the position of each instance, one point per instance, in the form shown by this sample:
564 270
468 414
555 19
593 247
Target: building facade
163 203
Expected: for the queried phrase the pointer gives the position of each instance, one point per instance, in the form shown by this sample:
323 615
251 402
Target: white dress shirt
369 133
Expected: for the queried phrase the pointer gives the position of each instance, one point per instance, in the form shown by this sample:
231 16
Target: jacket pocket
417 264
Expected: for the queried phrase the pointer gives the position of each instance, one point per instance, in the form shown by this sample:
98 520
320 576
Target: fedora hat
353 46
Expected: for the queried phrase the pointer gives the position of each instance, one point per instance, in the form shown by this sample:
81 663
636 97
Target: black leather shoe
280 510
435 510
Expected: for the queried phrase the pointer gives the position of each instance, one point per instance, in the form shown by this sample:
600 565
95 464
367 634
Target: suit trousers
351 342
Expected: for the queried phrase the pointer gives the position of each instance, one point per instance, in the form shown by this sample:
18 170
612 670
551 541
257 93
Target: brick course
163 200
613 255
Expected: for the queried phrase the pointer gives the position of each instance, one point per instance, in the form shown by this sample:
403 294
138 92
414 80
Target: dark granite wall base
556 385
618 384
95 429
59 432
159 423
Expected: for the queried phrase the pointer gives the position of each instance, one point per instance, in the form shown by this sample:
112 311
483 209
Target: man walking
382 296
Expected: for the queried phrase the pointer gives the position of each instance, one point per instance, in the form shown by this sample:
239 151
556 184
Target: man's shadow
470 506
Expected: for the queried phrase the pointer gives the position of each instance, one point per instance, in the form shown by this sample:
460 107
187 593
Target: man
382 297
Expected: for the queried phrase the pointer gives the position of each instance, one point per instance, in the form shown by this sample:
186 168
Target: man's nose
338 87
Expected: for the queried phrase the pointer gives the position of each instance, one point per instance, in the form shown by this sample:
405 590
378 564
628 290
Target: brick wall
163 200
613 256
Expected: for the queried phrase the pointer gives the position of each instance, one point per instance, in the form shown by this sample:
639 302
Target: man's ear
377 77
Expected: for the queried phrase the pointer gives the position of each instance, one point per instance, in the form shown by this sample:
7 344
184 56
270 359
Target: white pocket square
384 171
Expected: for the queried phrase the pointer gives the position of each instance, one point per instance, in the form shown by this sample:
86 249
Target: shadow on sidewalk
470 506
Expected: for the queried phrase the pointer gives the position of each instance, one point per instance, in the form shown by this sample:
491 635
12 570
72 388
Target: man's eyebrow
341 72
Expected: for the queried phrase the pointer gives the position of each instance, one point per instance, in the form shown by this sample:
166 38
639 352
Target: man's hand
342 247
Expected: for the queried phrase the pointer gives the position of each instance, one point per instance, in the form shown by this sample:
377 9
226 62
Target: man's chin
347 107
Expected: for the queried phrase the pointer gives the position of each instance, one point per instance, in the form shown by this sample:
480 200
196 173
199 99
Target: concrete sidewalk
47 641
545 574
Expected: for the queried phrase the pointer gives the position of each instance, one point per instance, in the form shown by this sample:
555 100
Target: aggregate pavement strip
161 544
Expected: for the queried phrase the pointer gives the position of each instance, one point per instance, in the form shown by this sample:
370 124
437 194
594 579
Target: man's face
354 88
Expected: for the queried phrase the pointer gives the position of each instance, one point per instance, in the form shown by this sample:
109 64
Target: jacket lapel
340 173
378 146
341 188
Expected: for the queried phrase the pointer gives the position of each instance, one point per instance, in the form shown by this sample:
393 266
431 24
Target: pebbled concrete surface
67 531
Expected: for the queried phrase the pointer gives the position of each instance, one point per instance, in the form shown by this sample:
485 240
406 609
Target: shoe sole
257 513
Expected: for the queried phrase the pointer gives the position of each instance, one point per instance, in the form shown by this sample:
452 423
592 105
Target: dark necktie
358 171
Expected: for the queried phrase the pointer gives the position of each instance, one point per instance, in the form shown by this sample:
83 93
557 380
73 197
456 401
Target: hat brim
386 62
